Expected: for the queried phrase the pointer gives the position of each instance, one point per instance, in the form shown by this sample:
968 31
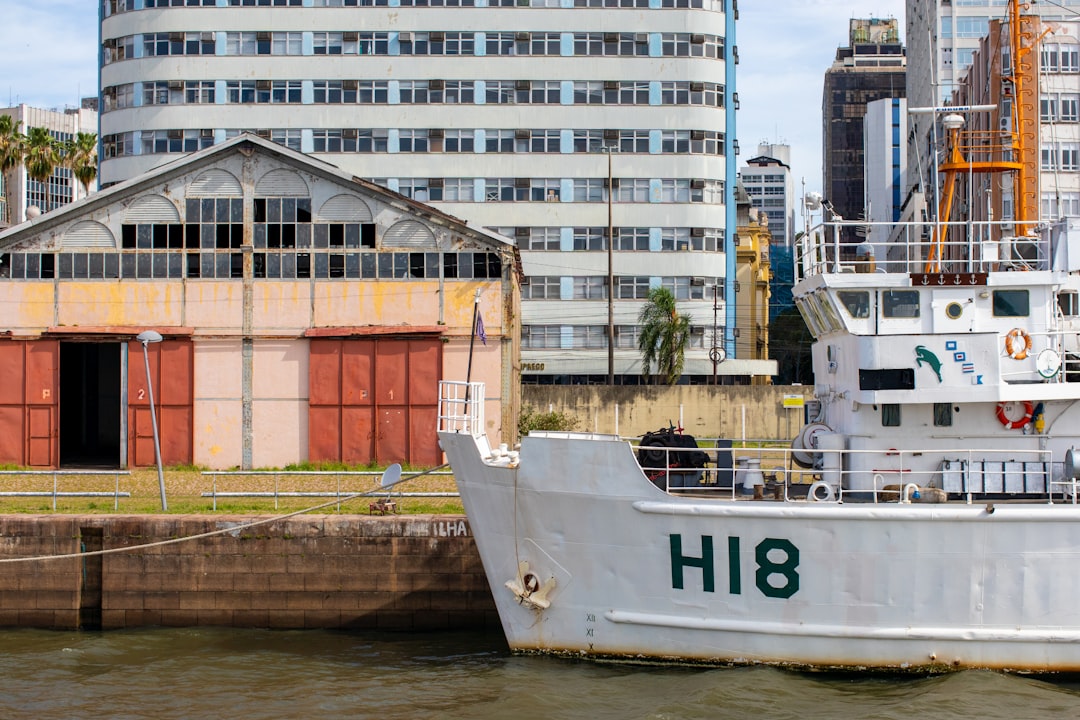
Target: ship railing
846 246
461 407
769 470
1040 357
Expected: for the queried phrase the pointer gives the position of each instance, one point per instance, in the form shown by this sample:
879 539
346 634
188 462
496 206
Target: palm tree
41 158
80 156
665 334
12 145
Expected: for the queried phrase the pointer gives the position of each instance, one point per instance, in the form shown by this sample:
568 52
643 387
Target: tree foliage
789 345
12 144
665 335
80 156
533 419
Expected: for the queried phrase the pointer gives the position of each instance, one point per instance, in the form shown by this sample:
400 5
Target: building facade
768 183
870 68
885 171
63 188
512 114
306 315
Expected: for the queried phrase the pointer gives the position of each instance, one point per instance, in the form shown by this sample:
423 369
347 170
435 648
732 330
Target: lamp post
610 272
146 337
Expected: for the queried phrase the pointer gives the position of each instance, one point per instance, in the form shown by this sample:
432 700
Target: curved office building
510 114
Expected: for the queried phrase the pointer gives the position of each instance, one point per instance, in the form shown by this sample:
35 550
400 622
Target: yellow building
752 284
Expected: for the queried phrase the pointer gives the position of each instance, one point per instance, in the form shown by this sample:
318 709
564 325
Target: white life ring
1017 344
821 491
1009 423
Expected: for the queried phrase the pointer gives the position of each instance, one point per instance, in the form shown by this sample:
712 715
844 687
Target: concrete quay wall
417 572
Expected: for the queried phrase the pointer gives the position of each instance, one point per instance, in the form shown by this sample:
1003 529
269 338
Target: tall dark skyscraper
872 67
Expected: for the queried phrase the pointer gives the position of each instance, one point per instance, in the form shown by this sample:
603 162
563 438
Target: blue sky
48 58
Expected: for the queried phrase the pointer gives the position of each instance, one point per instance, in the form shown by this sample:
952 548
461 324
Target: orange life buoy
1017 344
1010 424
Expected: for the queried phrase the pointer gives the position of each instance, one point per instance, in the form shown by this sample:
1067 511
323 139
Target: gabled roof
240 143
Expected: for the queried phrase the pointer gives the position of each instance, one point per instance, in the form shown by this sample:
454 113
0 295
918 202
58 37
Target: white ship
926 517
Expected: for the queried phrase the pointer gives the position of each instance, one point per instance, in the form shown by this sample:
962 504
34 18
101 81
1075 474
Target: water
222 673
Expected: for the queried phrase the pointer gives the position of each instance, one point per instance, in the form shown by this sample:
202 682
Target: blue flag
480 328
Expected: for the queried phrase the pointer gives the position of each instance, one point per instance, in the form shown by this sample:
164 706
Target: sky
48 58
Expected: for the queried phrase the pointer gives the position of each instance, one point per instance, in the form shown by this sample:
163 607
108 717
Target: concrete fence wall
731 411
417 572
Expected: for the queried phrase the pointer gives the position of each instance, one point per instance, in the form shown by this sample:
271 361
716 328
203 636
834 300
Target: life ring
1017 344
1029 410
821 491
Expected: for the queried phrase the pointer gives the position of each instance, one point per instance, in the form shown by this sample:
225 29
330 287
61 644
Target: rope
232 529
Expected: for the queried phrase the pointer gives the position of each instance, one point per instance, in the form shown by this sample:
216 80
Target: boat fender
1011 424
1017 344
821 491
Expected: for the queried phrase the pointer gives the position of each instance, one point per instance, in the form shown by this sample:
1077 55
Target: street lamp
610 272
146 337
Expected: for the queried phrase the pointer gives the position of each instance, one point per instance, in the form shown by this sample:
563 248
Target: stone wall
416 572
753 412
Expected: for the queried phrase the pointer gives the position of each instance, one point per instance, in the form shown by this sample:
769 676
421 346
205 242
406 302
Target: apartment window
198 92
587 141
632 288
632 238
590 238
634 141
590 189
500 92
163 93
683 288
286 137
674 239
285 91
372 141
542 92
541 336
459 92
634 93
633 190
675 141
544 189
240 91
459 141
372 92
499 141
542 287
627 336
590 287
413 141
544 141
541 238
590 336
499 43
458 190
333 92
589 92
502 190
175 141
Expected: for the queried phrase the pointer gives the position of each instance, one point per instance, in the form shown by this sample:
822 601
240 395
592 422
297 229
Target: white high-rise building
767 180
885 167
63 188
510 114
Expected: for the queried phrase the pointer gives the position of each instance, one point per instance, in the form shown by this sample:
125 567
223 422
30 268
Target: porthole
954 310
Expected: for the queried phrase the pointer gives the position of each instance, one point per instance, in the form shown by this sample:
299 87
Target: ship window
1011 303
829 313
900 304
954 310
1069 302
856 303
943 414
890 415
808 318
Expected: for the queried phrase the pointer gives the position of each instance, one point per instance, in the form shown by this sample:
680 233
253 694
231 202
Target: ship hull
586 557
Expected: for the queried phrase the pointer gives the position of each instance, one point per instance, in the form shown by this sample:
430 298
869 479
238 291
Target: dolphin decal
923 355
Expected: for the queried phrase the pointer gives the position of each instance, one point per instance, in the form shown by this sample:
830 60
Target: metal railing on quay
339 492
55 493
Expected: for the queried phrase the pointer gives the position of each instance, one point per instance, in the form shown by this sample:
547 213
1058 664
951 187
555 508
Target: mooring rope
223 531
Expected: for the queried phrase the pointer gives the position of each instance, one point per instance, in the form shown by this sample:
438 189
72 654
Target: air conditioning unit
206 132
611 84
262 85
697 232
697 281
522 134
611 134
436 84
697 183
436 182
350 133
521 85
175 134
176 37
405 37
263 133
697 134
641 38
697 87
436 133
437 37
350 37
208 37
521 232
350 84
522 36
262 36
697 39
176 84
611 37
521 182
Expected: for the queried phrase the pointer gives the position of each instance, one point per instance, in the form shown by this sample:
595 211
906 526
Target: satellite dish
1048 363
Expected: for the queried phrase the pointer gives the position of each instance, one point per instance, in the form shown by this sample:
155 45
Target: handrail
56 493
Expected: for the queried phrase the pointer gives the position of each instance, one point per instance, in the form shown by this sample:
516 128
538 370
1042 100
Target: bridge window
1012 303
900 304
856 303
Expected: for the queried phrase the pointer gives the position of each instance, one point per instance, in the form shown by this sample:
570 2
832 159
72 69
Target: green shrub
533 419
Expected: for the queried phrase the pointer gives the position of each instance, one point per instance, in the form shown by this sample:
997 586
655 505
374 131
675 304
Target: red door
171 371
374 400
29 376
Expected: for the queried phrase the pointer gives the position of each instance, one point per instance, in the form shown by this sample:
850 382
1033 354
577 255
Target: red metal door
374 400
29 430
171 371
